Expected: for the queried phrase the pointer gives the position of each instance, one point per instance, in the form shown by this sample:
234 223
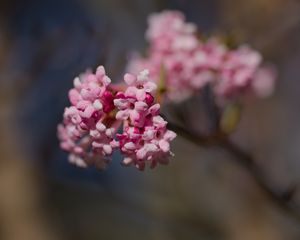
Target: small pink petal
82 104
77 83
100 127
150 87
88 112
129 79
159 121
95 133
130 146
97 144
127 161
100 71
121 103
107 149
106 80
140 94
154 109
114 144
164 146
122 115
131 92
140 106
169 135
143 76
134 116
74 96
97 105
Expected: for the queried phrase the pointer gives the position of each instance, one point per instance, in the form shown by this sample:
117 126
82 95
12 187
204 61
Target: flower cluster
190 63
90 125
145 136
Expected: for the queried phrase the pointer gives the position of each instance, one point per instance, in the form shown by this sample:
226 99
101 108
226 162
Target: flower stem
283 199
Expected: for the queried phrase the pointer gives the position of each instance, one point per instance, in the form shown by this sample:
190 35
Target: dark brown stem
282 199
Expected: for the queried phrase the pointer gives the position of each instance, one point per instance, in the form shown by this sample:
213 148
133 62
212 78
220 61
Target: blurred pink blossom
242 72
190 63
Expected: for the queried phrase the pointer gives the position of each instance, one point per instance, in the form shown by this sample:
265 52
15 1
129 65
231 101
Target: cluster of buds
145 135
97 111
190 63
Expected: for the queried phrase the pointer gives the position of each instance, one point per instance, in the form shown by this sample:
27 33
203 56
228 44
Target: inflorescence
190 63
89 131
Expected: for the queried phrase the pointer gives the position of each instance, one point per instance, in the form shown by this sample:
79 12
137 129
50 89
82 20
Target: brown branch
282 199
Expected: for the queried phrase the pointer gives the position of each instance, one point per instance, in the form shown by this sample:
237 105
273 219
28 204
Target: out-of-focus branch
283 199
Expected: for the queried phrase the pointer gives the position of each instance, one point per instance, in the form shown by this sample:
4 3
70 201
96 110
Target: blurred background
202 194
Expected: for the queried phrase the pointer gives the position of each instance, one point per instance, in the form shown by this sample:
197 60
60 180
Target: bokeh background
202 194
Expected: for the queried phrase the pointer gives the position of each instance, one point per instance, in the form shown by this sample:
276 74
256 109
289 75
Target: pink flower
89 127
84 132
186 72
168 31
174 46
189 64
237 71
241 73
145 137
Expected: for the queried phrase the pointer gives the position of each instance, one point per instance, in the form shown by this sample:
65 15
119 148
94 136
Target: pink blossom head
168 31
90 124
145 138
190 64
242 73
84 132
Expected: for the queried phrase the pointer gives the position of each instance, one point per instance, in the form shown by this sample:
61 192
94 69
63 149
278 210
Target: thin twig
282 199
